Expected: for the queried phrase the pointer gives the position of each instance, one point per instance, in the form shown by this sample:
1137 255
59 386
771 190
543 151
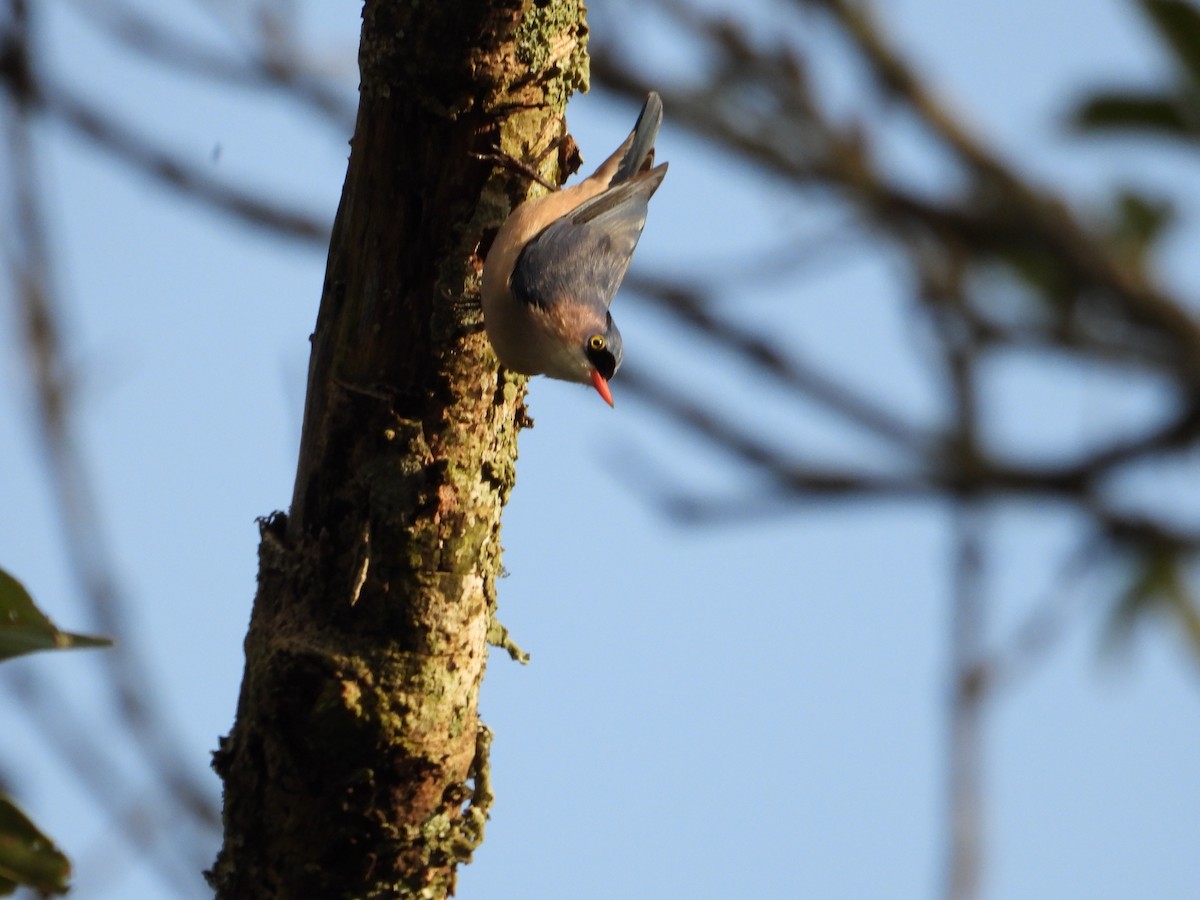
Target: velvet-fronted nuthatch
556 262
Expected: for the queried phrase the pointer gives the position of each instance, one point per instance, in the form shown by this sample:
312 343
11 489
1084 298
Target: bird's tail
640 155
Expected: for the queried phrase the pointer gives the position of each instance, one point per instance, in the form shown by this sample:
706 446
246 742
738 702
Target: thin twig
1047 217
964 814
690 305
29 261
1045 626
147 159
277 72
154 834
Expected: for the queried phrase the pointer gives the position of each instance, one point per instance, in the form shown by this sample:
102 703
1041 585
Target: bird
556 262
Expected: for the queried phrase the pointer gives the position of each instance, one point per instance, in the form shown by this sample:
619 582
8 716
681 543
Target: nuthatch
557 261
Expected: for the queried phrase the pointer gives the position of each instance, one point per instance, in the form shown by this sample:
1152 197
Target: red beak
601 387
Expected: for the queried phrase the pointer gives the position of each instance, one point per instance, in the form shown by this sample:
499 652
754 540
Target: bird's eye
597 342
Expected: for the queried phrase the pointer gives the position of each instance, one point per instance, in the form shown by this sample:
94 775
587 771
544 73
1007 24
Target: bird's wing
582 256
641 147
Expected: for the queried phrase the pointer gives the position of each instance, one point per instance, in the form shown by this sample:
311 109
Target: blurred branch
794 256
1087 289
755 100
278 70
1046 218
146 159
941 469
800 480
946 472
28 259
958 359
1044 626
965 817
151 827
1001 217
692 306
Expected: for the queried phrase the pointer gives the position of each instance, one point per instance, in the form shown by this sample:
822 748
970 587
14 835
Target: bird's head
603 352
577 341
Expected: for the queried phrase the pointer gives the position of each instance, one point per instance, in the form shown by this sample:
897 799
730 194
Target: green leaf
1139 217
1160 586
24 629
1178 24
1134 111
28 857
1134 225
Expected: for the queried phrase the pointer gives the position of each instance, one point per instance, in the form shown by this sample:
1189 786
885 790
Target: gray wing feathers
568 263
583 256
641 148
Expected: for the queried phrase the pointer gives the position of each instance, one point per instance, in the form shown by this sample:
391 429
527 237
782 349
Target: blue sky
746 711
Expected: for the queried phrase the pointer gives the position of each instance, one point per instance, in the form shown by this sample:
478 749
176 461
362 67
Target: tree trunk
357 763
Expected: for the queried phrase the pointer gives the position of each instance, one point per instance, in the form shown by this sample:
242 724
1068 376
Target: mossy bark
357 763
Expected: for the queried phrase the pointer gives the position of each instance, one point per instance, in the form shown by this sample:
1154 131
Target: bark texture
357 763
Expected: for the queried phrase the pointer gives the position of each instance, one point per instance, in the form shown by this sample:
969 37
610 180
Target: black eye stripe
604 361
